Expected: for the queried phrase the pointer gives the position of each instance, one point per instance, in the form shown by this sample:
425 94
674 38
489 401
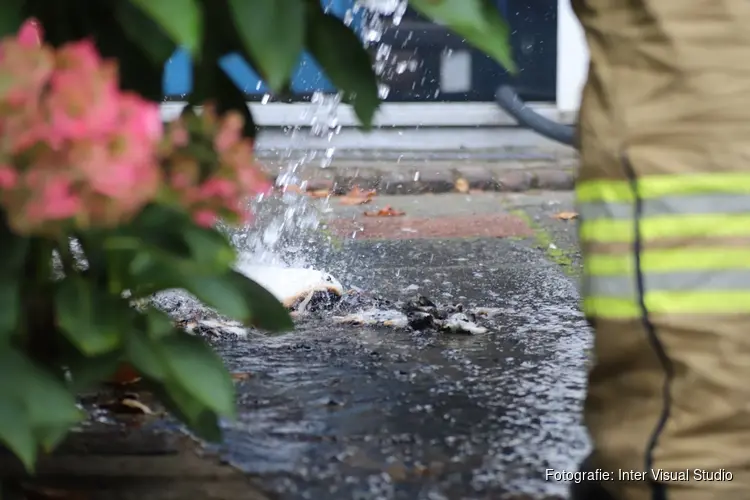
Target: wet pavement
343 412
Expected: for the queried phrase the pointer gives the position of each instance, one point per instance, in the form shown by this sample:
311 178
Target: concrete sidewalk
346 412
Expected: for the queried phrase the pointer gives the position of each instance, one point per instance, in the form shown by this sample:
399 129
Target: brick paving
501 225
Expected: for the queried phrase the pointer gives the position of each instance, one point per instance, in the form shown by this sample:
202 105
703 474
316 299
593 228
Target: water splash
287 226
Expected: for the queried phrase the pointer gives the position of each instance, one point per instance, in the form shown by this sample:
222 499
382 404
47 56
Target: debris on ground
292 188
462 185
319 193
128 404
565 215
125 375
418 314
357 196
387 211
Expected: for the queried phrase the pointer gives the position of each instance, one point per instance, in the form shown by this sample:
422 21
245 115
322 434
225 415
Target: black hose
512 104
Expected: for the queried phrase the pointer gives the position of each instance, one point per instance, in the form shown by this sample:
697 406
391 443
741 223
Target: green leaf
88 373
161 227
200 371
90 318
13 252
345 61
10 313
145 355
158 324
220 293
210 249
478 21
145 32
180 19
15 431
11 16
201 420
50 409
265 309
273 32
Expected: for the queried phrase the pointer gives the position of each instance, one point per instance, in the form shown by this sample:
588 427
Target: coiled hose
507 98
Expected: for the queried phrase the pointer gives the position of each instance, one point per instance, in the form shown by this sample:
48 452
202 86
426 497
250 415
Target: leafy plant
84 161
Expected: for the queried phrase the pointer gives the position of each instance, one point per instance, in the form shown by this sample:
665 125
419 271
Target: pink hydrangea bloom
77 152
30 34
76 149
234 175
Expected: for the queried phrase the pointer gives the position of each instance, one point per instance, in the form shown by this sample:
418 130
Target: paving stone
478 177
555 180
515 181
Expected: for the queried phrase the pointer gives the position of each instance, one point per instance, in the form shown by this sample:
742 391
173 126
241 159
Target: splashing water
286 227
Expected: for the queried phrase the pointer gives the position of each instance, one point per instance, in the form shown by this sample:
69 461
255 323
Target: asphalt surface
366 413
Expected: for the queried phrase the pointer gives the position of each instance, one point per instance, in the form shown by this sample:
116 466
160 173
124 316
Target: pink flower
140 118
218 188
79 57
55 201
31 33
80 105
8 177
24 72
205 218
230 132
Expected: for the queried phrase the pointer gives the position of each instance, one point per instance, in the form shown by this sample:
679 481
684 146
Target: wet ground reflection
359 413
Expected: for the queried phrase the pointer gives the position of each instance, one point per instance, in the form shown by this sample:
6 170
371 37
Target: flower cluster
77 152
209 167
74 149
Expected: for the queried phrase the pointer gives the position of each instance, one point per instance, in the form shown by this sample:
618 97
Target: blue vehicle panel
306 79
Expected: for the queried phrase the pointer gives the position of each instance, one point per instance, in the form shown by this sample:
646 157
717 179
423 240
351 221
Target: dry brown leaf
345 200
566 215
241 376
462 185
291 188
127 405
387 211
125 375
357 196
319 193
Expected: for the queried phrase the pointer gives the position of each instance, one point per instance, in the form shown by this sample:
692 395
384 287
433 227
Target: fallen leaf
462 185
319 193
566 215
397 471
125 375
386 211
357 196
127 405
241 376
291 188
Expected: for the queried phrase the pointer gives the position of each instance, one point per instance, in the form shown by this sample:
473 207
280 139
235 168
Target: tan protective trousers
664 201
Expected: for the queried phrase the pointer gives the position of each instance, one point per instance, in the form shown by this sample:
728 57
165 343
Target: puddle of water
341 413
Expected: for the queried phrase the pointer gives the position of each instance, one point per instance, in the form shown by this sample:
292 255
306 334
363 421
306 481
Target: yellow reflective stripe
675 226
717 302
669 260
611 308
606 191
656 186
